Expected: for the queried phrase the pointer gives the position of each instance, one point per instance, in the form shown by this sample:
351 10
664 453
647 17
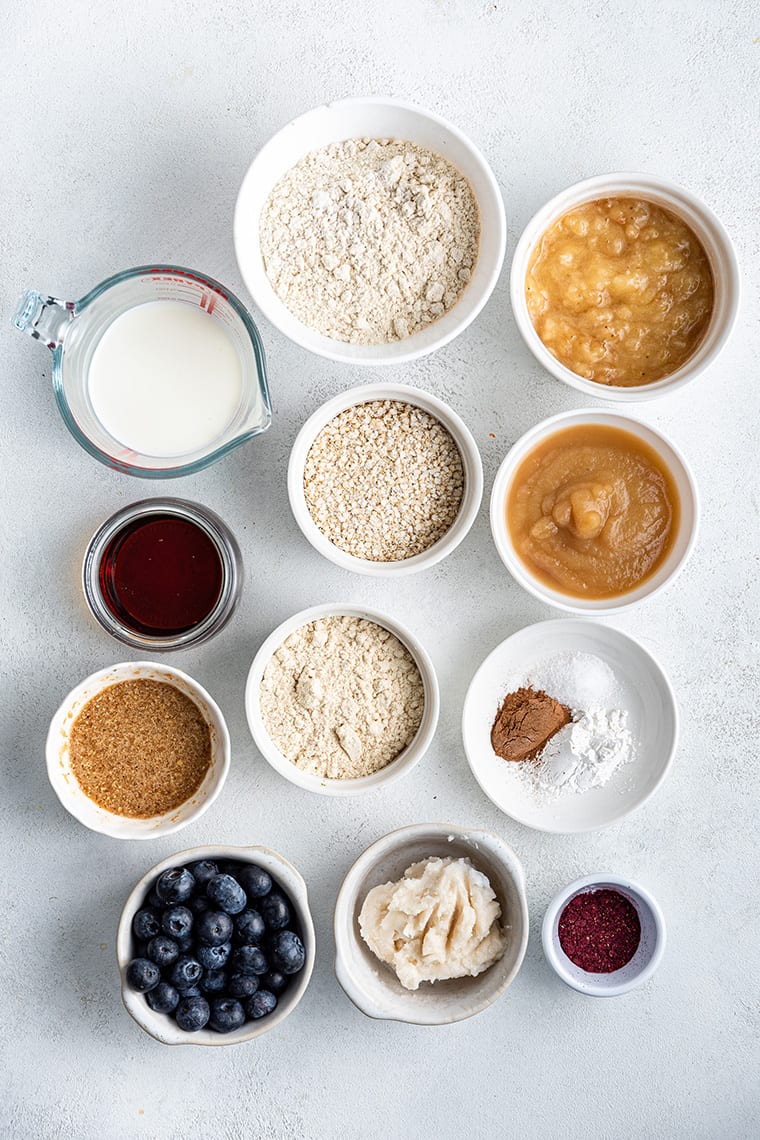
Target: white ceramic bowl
163 1027
86 810
373 986
652 719
350 787
688 526
473 478
368 118
697 215
643 963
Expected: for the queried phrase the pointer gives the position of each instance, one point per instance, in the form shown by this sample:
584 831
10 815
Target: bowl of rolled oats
385 479
370 231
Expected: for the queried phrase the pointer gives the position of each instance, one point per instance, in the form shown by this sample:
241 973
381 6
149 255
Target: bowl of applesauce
593 511
625 286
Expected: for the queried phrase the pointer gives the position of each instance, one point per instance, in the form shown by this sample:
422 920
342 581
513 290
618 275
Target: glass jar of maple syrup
162 574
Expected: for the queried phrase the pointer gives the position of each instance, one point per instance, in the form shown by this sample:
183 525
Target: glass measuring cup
73 329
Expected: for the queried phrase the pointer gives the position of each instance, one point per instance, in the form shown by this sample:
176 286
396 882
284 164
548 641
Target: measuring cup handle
44 318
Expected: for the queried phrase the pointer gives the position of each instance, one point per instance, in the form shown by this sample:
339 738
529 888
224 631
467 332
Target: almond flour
370 240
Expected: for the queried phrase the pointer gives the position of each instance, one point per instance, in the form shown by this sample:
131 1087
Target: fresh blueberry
275 910
189 991
175 885
152 900
248 960
177 921
192 1013
249 927
261 1004
242 985
287 952
213 957
214 927
226 893
203 871
186 971
143 975
226 1015
163 999
163 951
275 982
198 904
254 880
185 942
146 924
214 982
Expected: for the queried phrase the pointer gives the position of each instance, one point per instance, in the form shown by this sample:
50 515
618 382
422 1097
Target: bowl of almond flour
370 231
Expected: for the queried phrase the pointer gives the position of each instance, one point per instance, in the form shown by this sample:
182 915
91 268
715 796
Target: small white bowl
697 215
373 986
643 963
163 1027
688 526
84 809
652 719
403 763
473 478
368 118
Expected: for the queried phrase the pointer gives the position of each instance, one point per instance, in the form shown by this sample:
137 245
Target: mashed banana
439 922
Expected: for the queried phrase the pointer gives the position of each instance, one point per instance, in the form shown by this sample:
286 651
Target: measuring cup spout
45 318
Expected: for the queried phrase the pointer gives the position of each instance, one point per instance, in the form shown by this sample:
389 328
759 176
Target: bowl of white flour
370 231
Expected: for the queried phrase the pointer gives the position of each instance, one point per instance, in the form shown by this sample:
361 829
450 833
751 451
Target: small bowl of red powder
603 935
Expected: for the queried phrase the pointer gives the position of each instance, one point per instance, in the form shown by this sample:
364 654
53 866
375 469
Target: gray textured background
126 134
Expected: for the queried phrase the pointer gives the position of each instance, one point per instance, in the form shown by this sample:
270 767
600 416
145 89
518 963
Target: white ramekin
706 226
86 810
688 527
368 118
371 985
163 1027
350 787
473 478
643 963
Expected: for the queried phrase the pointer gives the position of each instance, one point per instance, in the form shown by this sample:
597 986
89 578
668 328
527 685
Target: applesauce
620 291
592 511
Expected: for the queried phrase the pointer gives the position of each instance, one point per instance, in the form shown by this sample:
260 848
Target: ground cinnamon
525 723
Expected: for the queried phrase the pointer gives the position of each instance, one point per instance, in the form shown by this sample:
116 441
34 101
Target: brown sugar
525 723
140 748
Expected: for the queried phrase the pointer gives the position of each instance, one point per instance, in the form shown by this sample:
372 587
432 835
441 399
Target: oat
384 480
370 240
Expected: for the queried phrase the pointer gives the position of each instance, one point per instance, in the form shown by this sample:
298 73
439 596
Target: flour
341 697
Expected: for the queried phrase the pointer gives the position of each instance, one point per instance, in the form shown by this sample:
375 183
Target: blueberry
214 982
203 871
146 924
275 910
143 975
226 893
226 1015
261 1004
177 921
249 927
186 971
213 957
152 900
199 904
189 991
185 942
254 880
163 951
249 960
163 999
275 982
192 1014
175 885
242 985
287 952
214 927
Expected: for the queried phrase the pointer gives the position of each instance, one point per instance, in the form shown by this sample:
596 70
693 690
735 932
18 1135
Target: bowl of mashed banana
625 286
431 924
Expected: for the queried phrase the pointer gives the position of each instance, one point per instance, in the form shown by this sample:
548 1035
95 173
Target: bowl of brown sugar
137 750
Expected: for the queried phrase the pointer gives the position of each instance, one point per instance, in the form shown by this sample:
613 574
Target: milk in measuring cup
165 379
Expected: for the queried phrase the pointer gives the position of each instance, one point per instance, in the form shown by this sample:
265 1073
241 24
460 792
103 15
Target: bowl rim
297 891
70 794
393 771
551 918
345 903
500 533
401 393
321 345
722 255
672 701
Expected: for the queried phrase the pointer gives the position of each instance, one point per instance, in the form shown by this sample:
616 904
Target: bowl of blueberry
215 945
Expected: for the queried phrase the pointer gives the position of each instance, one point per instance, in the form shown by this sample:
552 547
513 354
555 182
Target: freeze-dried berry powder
599 931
